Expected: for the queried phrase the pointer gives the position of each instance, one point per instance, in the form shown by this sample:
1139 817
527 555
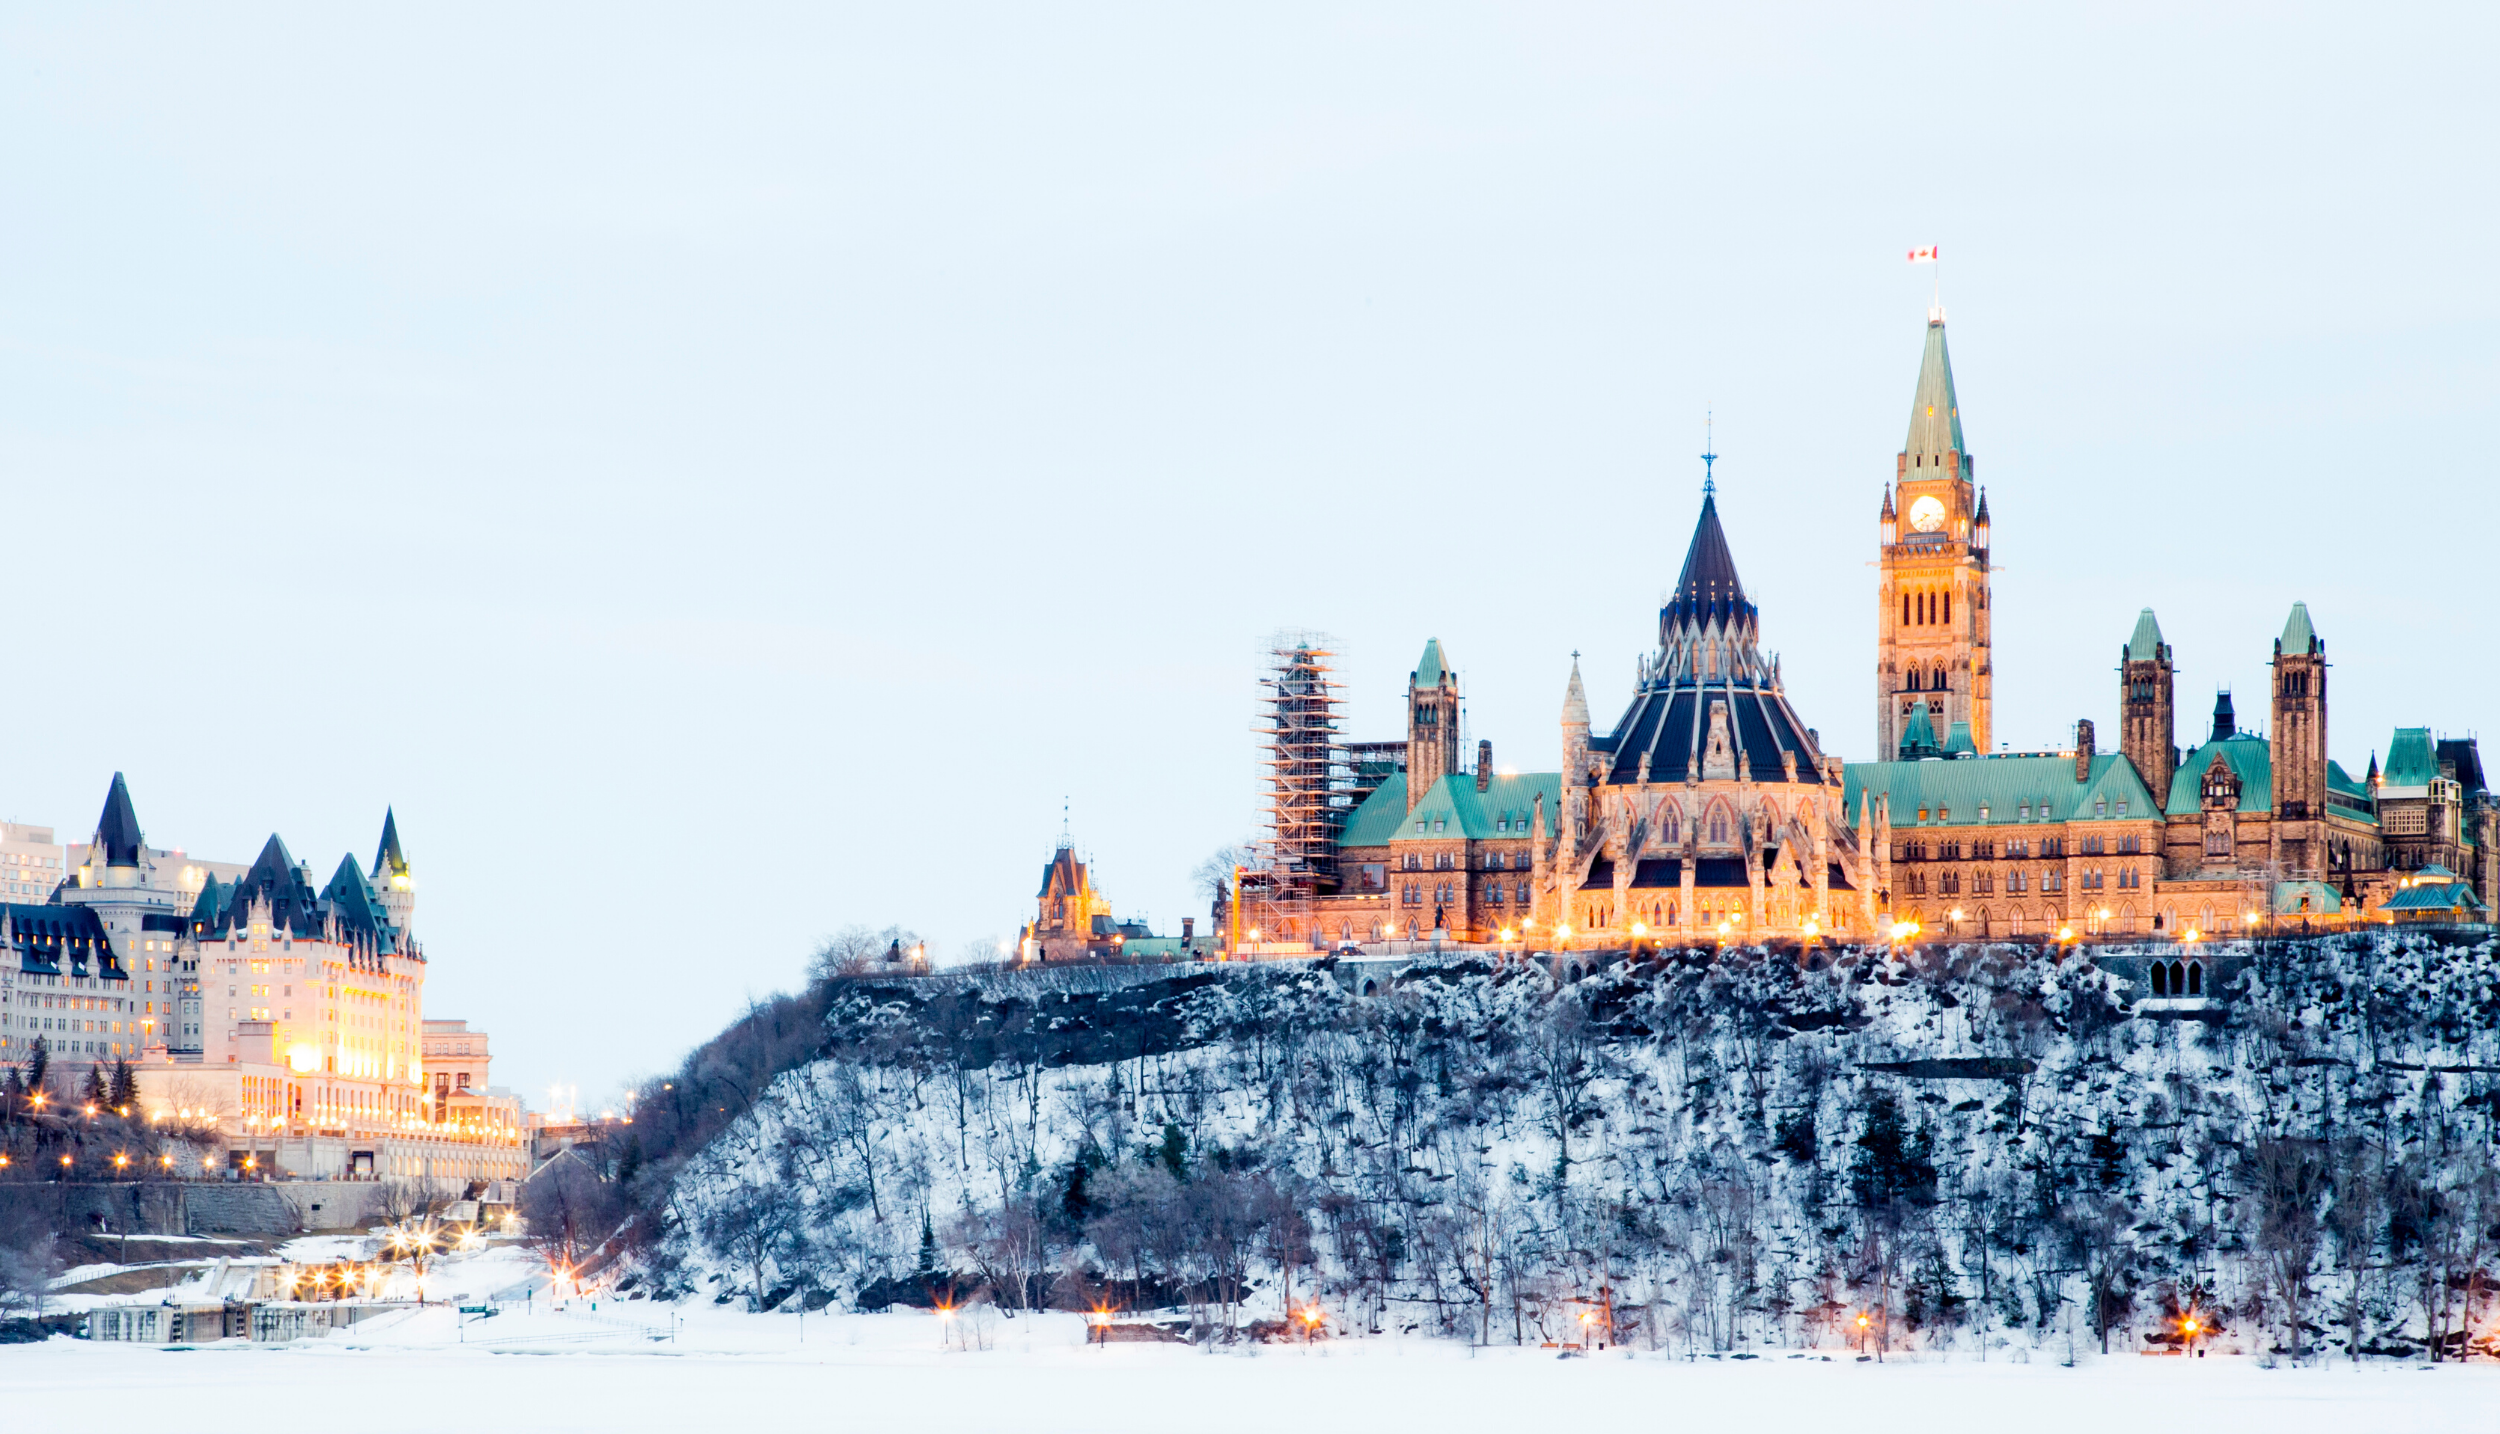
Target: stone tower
1931 620
2147 714
1575 751
1431 723
2299 738
392 878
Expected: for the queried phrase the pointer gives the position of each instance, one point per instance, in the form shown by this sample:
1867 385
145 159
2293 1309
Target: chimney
1189 930
2083 750
1484 766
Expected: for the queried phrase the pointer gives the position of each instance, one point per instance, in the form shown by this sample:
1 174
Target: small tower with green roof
2148 731
2299 738
1431 723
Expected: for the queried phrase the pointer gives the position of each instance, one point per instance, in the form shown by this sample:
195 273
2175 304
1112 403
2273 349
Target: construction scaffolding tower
1306 777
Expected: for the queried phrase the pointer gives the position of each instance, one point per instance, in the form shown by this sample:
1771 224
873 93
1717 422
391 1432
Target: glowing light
1509 935
303 1058
1640 928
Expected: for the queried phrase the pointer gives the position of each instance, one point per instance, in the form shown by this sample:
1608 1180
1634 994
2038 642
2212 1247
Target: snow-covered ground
578 1368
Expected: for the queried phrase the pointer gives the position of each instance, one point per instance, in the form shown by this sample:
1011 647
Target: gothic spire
1935 414
117 831
1575 698
388 859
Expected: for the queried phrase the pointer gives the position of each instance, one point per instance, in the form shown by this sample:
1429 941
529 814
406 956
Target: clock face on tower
1927 514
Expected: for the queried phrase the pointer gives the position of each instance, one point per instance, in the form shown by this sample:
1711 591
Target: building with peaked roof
286 1011
1932 644
1710 809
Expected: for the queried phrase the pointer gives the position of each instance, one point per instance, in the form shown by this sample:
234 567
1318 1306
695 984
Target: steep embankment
1981 1143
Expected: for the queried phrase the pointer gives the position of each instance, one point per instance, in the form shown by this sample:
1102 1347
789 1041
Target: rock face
1974 1142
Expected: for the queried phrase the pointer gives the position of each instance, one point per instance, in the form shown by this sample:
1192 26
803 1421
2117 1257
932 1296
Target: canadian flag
1923 256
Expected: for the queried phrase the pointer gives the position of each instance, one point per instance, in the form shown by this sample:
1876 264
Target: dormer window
1438 824
2100 807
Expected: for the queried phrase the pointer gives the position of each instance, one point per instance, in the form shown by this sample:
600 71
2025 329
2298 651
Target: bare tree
2287 1178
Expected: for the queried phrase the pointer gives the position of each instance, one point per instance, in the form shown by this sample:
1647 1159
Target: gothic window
2127 845
1948 606
1494 893
1440 861
1913 681
2161 979
2014 881
2050 880
1674 825
2196 978
2217 843
1905 609
1952 884
1985 885
1523 893
1938 681
1718 824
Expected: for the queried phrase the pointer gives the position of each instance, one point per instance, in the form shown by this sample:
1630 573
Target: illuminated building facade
289 1014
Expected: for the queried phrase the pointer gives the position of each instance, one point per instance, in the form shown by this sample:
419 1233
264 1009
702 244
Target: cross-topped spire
1708 484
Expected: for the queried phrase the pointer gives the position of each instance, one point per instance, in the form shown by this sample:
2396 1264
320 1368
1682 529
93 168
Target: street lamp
2189 1328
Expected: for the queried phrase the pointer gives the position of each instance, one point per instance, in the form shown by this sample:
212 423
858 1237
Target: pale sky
727 473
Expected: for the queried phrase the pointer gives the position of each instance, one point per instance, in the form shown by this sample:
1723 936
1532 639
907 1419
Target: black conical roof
117 831
1709 586
388 860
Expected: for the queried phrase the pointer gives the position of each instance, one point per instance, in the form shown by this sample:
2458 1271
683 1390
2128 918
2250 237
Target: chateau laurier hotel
284 1016
1710 810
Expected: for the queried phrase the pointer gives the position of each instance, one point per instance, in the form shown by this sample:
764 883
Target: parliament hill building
1709 810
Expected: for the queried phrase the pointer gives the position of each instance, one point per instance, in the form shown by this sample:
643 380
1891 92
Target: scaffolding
1307 777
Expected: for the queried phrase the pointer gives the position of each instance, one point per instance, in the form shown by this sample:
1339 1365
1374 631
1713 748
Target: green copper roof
1499 812
2000 791
2412 760
1957 742
2298 636
2339 780
2250 759
2443 896
1919 738
1429 669
2145 645
1935 415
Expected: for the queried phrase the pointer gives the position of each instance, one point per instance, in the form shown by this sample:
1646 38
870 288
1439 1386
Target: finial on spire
1708 458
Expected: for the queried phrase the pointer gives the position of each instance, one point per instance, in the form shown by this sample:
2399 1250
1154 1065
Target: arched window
2196 978
1948 606
1939 681
1910 683
2161 979
1345 930
1674 824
